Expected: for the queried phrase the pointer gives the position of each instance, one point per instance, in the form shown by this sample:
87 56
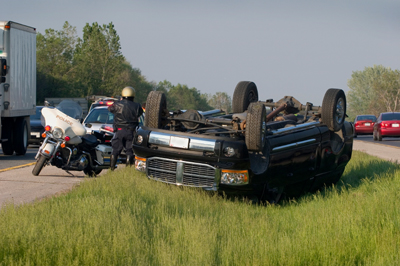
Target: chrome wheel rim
339 114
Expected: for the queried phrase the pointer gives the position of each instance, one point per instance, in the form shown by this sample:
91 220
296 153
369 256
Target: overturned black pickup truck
262 150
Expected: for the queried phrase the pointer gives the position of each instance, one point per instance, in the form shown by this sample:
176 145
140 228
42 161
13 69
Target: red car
364 125
387 125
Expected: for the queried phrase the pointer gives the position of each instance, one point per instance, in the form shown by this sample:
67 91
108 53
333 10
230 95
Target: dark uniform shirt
126 114
126 119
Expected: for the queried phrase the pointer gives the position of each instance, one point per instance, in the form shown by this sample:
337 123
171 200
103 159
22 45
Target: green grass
122 218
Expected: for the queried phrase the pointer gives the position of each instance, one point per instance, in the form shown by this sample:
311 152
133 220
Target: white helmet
128 92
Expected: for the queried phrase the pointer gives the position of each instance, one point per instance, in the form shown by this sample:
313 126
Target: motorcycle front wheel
39 165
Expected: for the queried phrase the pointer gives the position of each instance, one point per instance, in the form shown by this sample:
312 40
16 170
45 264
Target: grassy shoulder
122 218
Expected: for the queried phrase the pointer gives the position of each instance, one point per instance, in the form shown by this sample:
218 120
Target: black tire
379 136
374 136
89 171
7 133
21 136
255 127
245 93
39 165
156 108
334 109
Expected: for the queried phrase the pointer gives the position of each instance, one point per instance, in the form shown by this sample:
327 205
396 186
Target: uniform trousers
123 138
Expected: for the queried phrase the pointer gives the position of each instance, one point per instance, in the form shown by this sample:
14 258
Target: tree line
69 66
373 90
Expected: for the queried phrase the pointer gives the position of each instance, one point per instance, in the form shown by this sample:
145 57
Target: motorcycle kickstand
69 172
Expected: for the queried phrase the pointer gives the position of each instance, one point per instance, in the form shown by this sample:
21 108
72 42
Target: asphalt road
7 161
386 141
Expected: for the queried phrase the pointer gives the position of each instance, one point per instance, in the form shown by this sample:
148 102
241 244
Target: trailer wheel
245 93
39 165
7 133
21 137
156 109
334 109
255 127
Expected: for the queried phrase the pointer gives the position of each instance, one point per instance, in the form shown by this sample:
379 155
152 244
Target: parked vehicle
387 125
67 146
17 85
97 117
37 127
364 125
247 153
103 101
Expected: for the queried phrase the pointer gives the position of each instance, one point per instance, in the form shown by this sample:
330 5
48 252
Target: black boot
129 160
113 162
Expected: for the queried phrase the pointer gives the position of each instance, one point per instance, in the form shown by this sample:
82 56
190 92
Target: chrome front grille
181 172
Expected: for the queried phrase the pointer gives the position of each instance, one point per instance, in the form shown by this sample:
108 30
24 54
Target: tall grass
122 218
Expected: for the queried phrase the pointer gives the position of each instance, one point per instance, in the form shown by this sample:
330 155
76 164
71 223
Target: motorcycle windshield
70 108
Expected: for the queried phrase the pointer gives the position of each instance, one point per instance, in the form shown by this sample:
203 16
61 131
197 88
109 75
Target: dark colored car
364 125
247 153
36 127
387 125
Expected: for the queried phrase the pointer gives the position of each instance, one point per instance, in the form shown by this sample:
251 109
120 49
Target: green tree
183 98
99 61
54 54
220 100
374 90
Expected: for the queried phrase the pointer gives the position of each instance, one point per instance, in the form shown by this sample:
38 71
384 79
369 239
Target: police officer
126 119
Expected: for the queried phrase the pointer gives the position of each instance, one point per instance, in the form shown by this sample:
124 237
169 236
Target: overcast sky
288 47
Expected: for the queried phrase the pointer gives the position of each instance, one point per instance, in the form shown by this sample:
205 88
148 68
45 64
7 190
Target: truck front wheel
245 93
255 127
156 109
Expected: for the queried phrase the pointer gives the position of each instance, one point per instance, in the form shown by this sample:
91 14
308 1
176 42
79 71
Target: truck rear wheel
334 109
245 93
7 133
156 105
21 136
255 127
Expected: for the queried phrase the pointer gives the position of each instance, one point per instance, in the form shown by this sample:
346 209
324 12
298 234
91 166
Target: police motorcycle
66 144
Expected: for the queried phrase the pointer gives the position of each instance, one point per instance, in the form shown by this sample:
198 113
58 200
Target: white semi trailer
17 85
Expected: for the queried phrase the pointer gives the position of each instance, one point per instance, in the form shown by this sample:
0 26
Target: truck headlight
229 152
234 177
139 139
140 164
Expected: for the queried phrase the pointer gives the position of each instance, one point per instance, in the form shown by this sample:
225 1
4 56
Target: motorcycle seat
90 140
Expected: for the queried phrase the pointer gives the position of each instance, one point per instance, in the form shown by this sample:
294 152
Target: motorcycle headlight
57 133
234 177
